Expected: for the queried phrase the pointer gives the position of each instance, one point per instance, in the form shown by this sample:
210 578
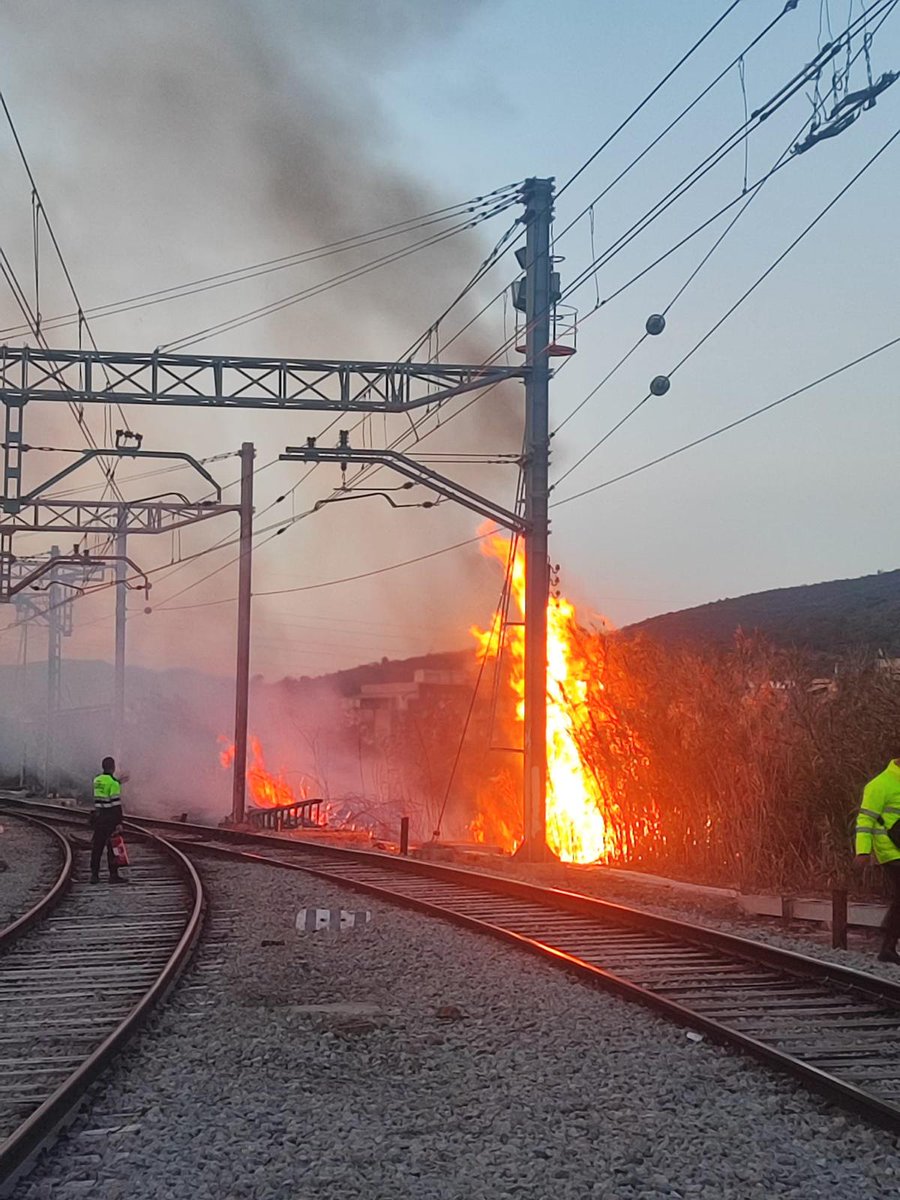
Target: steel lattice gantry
89 376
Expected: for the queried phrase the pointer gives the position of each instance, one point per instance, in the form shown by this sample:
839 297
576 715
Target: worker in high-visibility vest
105 820
879 811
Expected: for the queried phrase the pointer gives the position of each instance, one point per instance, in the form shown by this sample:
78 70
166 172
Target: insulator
655 324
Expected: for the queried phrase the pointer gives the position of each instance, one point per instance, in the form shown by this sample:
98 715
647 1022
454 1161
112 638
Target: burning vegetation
266 790
583 811
736 765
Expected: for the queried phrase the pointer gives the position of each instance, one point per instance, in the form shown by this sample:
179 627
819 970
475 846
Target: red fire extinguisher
119 849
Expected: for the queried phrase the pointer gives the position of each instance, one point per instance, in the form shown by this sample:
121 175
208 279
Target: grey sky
184 139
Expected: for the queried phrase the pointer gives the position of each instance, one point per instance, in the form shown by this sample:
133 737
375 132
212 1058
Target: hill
837 617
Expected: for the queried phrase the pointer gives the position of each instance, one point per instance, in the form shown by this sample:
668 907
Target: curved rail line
77 984
54 892
834 1028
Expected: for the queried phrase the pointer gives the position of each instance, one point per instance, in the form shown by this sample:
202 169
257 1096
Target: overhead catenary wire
823 212
32 318
415 433
748 194
357 272
646 100
268 266
676 120
761 114
808 387
313 587
779 98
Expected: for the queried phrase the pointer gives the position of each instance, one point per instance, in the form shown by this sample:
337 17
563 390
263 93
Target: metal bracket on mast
12 505
85 560
414 471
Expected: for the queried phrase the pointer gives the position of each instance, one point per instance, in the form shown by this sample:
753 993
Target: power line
748 194
763 113
679 117
731 424
665 79
740 300
312 587
267 266
326 285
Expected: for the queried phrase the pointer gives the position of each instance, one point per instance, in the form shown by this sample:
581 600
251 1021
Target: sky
184 140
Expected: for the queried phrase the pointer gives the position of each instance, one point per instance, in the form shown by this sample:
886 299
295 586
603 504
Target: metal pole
839 919
242 679
404 836
54 669
121 619
24 702
538 196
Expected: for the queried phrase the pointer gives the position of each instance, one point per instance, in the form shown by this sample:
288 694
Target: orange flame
580 812
267 790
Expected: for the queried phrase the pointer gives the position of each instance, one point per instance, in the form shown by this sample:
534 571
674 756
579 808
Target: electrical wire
312 587
678 118
496 623
734 140
274 306
731 424
665 79
740 300
748 194
267 266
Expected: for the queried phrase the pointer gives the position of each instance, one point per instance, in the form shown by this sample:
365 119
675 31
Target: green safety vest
107 791
879 810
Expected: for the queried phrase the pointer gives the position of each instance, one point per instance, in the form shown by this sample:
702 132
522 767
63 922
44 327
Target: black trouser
104 826
890 926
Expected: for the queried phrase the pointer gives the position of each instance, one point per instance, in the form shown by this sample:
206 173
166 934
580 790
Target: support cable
740 300
735 139
274 306
678 118
268 266
665 79
731 424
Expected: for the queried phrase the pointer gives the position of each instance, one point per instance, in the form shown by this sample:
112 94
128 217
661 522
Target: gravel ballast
30 860
412 1059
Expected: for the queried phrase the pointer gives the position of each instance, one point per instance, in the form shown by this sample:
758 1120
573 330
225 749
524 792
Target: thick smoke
180 140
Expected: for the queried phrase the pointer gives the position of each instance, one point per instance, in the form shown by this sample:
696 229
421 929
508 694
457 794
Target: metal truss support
329 385
12 482
95 516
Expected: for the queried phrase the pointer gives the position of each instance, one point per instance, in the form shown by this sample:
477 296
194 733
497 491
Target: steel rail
54 893
549 942
38 1129
732 989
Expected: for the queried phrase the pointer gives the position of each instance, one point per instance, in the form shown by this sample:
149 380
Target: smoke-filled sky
174 141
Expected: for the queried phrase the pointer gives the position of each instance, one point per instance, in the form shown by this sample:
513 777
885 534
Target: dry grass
749 771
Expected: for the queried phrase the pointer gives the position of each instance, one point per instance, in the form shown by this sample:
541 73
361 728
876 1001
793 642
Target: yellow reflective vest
107 792
880 809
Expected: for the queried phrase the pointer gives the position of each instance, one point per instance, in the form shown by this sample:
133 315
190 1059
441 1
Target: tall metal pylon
538 303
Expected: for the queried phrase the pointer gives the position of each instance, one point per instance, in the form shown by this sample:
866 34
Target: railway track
78 973
835 1029
52 895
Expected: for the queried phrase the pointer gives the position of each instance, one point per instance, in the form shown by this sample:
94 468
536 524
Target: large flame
580 812
267 790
